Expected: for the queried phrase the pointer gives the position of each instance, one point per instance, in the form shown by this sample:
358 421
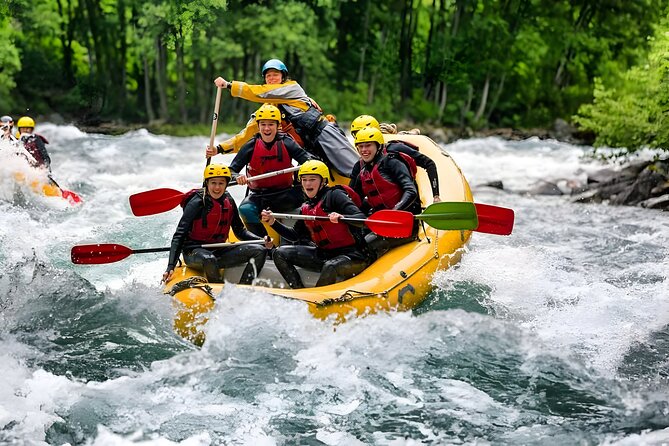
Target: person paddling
338 247
302 117
34 143
208 216
419 159
385 182
268 151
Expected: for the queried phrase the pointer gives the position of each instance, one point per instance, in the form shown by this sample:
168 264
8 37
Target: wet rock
640 184
545 188
494 184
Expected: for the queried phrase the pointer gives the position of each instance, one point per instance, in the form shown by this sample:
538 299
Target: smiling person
337 250
302 117
208 216
400 147
385 182
268 151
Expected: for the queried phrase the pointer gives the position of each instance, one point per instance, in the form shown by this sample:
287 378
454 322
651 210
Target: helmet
363 121
268 111
275 64
6 119
25 121
217 170
369 134
314 167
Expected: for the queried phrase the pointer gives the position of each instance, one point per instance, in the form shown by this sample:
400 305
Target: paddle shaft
316 217
214 121
208 245
269 174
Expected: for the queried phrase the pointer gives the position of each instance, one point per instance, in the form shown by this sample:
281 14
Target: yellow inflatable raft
400 279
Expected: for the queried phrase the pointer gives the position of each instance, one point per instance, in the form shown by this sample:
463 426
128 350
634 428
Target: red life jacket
213 227
324 233
266 160
353 195
380 192
30 145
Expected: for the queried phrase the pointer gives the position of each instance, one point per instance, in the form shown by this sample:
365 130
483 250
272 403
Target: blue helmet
277 65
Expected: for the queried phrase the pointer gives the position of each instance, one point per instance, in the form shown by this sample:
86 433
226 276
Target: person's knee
249 212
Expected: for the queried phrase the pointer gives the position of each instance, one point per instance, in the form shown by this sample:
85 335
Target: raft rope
192 282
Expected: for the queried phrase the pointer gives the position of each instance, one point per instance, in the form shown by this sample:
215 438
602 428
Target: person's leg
253 255
249 211
203 259
380 245
288 256
341 267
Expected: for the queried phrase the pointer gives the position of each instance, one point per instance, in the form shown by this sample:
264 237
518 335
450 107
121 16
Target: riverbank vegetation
457 63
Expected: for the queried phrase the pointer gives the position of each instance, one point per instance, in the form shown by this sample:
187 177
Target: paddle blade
154 201
494 219
390 223
70 196
97 254
450 215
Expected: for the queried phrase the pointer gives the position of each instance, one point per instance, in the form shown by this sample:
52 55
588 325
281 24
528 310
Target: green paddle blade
450 216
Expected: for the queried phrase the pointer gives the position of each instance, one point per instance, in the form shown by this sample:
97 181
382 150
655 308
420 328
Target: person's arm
341 203
422 161
397 172
41 143
243 157
235 143
192 211
284 231
237 225
289 93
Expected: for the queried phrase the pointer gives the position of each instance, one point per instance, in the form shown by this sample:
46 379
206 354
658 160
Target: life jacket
212 226
30 144
324 233
266 160
380 192
353 195
404 157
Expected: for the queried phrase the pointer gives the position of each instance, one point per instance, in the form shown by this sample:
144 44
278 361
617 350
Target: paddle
386 222
111 252
456 215
478 217
156 201
214 122
494 219
70 196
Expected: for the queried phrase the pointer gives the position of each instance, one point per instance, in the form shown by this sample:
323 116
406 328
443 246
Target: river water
558 334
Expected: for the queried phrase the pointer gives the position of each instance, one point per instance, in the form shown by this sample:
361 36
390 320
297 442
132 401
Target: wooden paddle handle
214 121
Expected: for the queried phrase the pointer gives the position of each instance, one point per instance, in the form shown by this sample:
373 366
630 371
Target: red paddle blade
97 254
70 196
390 223
154 201
494 219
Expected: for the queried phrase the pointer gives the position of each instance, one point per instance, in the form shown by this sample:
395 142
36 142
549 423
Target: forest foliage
457 63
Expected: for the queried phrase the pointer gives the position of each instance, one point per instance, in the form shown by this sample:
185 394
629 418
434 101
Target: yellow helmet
369 134
25 121
363 121
217 170
314 167
269 112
